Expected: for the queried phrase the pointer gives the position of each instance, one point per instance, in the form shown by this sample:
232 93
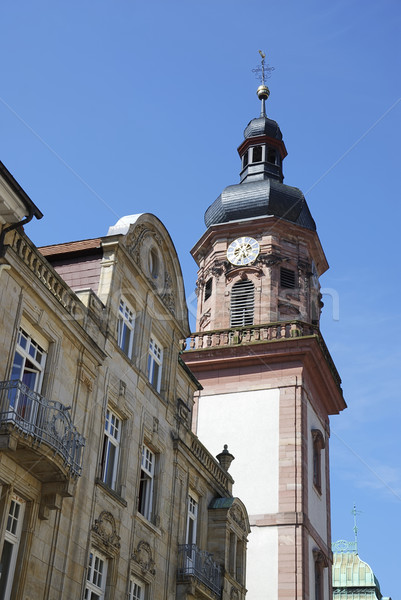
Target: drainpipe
11 227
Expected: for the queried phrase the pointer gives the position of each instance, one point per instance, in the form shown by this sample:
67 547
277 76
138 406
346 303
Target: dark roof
222 503
71 247
266 197
13 183
263 126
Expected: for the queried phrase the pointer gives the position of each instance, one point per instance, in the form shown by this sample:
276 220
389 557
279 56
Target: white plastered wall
249 423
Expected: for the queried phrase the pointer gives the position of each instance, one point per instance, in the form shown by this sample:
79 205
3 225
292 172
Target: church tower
269 383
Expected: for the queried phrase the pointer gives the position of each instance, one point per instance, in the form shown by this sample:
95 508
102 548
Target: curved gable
150 246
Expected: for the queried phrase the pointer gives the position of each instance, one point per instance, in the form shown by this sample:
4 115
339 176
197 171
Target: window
155 360
257 154
29 361
287 278
239 563
96 577
271 156
12 538
320 564
136 590
242 303
125 333
208 288
318 446
28 367
111 447
145 504
192 523
153 263
245 159
192 520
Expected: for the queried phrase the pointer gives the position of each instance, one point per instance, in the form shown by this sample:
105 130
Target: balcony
40 433
199 565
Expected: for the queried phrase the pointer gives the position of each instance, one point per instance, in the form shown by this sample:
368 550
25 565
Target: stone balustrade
269 332
209 463
48 277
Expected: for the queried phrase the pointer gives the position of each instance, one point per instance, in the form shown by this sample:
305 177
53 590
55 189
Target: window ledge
158 394
149 524
130 359
111 492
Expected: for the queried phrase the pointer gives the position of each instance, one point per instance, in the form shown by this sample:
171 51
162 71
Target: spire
262 73
355 528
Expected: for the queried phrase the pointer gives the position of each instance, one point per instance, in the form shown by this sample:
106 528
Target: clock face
243 251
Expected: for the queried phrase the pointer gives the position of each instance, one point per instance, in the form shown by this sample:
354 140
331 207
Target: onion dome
263 126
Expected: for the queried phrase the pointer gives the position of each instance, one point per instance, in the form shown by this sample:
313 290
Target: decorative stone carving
183 411
219 267
205 319
319 557
136 238
269 259
143 556
168 295
105 528
86 379
234 594
243 272
238 517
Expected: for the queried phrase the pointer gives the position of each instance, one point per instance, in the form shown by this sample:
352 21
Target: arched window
242 303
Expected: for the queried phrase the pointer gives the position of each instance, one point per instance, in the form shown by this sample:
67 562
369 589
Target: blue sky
113 108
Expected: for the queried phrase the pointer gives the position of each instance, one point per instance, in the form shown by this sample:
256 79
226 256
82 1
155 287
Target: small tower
269 383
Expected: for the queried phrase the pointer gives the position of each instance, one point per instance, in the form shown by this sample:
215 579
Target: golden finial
262 73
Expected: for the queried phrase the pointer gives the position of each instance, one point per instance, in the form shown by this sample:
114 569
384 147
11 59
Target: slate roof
263 126
266 197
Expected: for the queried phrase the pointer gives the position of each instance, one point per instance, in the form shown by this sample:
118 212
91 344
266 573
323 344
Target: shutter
242 303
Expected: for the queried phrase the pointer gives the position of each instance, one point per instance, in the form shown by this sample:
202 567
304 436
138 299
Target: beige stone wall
66 516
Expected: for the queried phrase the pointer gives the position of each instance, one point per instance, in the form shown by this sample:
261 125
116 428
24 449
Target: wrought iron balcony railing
45 421
199 564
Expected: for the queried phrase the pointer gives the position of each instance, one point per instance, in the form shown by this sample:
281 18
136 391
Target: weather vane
355 513
263 72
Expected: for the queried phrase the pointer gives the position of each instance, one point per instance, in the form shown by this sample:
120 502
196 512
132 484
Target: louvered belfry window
242 303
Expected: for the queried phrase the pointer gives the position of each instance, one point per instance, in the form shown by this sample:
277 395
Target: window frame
147 483
13 538
29 362
320 563
90 586
134 581
191 530
111 443
125 323
192 517
155 358
318 444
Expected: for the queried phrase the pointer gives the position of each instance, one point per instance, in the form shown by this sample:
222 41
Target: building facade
268 379
105 491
